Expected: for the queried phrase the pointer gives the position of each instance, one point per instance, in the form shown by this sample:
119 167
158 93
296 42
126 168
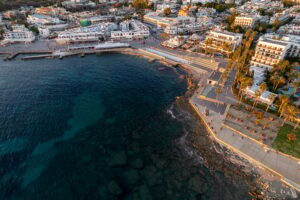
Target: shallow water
105 127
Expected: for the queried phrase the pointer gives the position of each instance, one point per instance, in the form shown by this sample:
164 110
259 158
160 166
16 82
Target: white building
272 48
281 17
293 29
174 42
86 34
163 22
18 34
78 3
39 19
223 42
245 21
131 29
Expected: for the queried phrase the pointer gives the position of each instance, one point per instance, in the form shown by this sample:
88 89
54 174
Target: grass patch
286 146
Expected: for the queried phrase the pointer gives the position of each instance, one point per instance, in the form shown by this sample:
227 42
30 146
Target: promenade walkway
287 168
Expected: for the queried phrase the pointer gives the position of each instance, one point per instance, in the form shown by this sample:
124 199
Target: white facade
154 18
293 29
245 21
131 29
18 34
272 48
39 19
216 40
85 34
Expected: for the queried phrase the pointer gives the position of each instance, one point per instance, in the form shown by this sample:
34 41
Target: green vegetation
220 7
1 33
139 4
288 140
263 12
288 3
167 11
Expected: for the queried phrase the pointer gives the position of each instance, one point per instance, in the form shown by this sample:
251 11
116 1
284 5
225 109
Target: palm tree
283 65
257 95
277 80
295 85
291 136
262 87
294 112
284 100
272 98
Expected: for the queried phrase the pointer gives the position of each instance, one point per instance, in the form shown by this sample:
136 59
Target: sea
108 126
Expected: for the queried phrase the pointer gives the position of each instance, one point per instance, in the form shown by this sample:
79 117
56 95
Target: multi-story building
131 29
18 34
223 42
293 29
272 48
245 21
163 22
86 34
39 19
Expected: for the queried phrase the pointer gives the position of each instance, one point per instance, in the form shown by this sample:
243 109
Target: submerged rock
114 188
131 176
137 163
118 159
197 184
144 193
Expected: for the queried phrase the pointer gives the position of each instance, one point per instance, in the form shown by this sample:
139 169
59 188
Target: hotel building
272 48
40 19
163 22
131 29
18 34
223 42
86 34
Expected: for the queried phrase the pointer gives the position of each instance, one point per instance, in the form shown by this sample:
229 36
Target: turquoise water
104 127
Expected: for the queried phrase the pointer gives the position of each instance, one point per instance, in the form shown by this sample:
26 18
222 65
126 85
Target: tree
272 98
262 87
291 136
284 100
283 65
295 85
277 80
256 96
167 11
139 4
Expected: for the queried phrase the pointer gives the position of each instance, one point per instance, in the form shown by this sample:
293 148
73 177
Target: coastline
192 72
256 163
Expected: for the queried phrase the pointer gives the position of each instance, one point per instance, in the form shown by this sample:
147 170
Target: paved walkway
286 167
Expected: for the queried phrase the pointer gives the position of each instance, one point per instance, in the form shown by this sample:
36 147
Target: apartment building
245 21
131 29
293 29
223 42
272 48
163 22
86 34
18 34
40 19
